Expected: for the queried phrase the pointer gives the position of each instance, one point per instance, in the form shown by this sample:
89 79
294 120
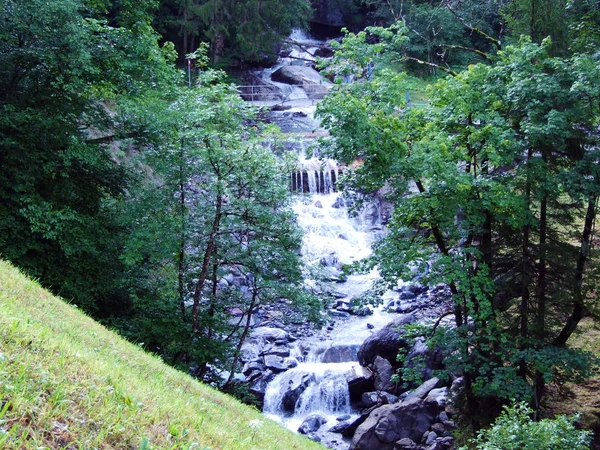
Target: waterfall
309 388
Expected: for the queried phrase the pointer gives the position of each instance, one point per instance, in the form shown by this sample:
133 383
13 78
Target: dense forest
130 191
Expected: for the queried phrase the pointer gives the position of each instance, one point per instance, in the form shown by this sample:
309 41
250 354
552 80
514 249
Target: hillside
68 382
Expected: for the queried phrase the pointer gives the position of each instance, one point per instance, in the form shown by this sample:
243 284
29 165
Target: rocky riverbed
334 383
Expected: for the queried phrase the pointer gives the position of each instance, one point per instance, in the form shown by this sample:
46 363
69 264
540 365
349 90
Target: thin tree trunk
208 252
525 278
238 349
578 306
181 265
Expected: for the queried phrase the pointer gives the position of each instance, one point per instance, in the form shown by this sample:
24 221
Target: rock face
297 385
382 374
304 76
312 423
389 423
340 353
385 342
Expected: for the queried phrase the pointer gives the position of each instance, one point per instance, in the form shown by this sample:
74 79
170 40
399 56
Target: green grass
67 382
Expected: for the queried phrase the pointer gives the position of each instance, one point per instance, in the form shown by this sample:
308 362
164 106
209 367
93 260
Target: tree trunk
578 305
208 253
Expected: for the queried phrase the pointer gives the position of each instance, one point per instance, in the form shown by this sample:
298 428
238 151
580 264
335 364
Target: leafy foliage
488 188
514 430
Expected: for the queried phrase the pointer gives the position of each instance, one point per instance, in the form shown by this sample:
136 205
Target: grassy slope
67 382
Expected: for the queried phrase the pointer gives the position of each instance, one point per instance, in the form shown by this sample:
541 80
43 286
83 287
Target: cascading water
318 386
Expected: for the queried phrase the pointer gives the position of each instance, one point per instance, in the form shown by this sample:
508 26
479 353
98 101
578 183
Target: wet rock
407 295
388 424
370 326
340 353
269 334
339 203
306 77
361 311
259 387
385 342
296 385
336 313
275 363
378 398
360 380
312 423
253 366
318 204
313 437
330 260
382 374
339 427
277 350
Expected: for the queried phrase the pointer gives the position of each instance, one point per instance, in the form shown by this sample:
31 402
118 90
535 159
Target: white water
329 232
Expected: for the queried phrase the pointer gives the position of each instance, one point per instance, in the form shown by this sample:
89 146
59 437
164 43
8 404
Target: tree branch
435 66
474 50
482 33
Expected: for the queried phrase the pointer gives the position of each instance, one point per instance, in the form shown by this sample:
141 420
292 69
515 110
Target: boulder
308 78
360 380
382 374
385 342
259 386
377 398
361 311
277 350
312 423
428 359
268 334
405 444
422 391
340 353
339 427
440 396
389 423
275 363
253 366
297 384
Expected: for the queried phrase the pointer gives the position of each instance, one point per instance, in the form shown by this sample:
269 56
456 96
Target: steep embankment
67 382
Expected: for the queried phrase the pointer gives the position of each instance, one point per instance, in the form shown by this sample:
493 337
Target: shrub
514 430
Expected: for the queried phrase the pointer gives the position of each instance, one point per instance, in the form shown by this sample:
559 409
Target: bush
514 430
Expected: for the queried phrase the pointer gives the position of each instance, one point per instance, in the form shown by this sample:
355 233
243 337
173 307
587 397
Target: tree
238 31
63 72
490 183
218 198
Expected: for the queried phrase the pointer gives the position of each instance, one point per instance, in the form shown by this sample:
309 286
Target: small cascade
307 389
314 175
315 181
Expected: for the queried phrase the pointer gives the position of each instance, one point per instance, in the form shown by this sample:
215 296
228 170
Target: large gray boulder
360 380
424 389
308 78
389 423
340 353
385 342
297 384
312 423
